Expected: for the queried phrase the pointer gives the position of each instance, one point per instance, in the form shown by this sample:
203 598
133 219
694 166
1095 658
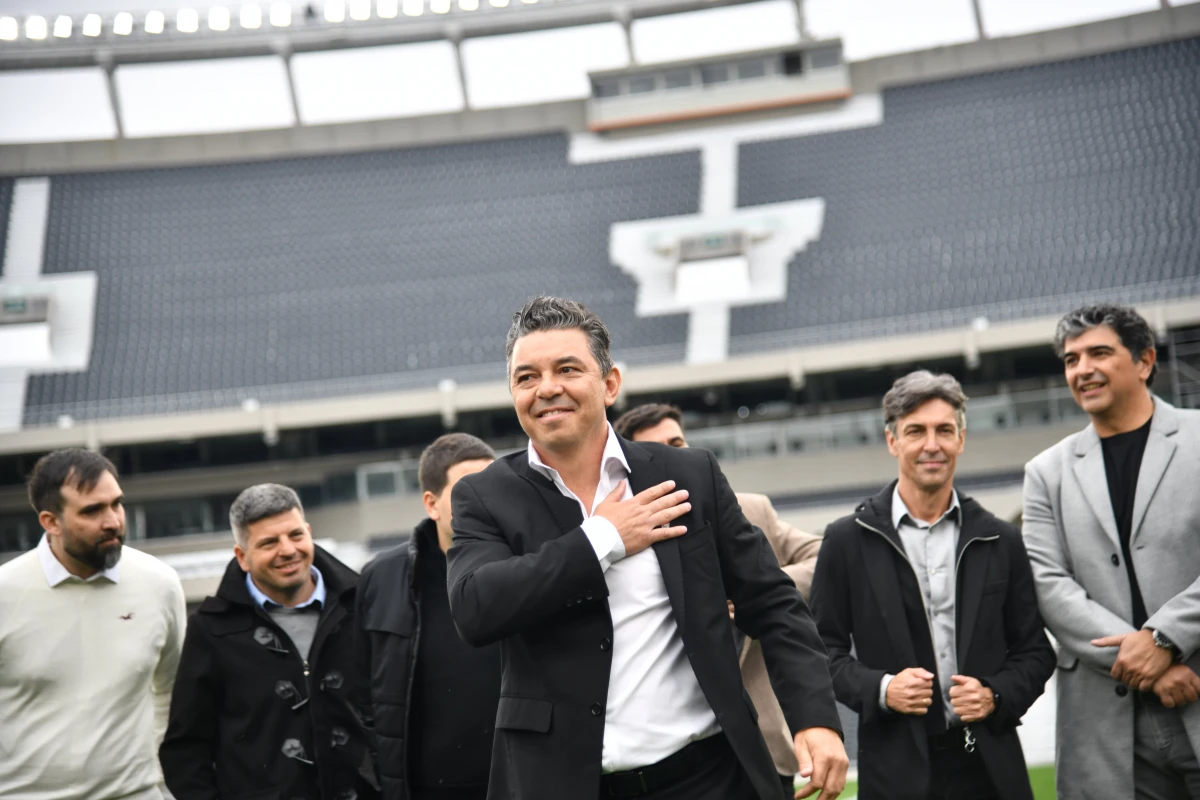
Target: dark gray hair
917 388
260 502
544 313
1131 328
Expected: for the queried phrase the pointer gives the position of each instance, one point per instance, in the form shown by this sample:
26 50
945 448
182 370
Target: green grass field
1041 778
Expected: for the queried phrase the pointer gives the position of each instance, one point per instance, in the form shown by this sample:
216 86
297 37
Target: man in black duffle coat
959 675
255 713
433 697
619 671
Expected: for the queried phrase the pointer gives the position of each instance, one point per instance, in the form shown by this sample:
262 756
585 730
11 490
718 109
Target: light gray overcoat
1083 589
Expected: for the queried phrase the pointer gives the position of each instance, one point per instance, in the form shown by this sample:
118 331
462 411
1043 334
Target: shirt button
1116 561
605 644
597 709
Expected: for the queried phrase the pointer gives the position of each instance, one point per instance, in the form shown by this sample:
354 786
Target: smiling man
1112 516
925 601
602 567
90 633
269 701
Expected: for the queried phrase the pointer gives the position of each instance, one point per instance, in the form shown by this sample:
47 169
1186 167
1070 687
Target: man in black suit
936 597
603 568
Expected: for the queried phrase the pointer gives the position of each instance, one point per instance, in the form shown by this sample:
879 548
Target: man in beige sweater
797 554
90 635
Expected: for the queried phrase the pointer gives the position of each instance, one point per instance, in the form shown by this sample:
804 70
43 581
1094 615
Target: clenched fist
911 691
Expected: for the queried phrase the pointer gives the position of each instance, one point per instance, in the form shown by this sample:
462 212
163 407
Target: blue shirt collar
318 595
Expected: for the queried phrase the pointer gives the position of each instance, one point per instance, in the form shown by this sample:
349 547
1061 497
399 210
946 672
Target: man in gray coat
1112 526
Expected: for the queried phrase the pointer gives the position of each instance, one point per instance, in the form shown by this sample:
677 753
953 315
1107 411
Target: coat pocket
524 714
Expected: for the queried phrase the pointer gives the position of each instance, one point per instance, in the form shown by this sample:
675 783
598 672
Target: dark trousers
719 777
448 793
955 773
789 785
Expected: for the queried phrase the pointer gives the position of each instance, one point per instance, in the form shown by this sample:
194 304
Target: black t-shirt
456 689
1122 463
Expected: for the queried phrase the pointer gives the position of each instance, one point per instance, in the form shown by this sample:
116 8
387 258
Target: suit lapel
645 472
1093 480
566 511
1160 448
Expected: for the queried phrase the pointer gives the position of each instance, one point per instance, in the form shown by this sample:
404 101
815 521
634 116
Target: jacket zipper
412 668
969 738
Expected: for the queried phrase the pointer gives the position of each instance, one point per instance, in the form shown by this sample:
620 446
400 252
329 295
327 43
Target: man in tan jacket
797 554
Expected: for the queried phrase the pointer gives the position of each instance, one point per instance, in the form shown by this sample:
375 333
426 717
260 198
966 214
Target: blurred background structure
283 241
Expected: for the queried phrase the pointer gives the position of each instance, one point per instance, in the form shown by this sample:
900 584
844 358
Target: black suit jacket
861 591
522 572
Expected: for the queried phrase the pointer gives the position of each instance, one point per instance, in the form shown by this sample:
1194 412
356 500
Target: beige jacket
797 554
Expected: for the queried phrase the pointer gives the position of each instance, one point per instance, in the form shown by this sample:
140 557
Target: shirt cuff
605 540
883 684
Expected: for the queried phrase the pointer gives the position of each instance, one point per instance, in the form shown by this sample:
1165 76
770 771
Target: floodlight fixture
529 2
468 5
218 18
9 29
187 20
499 3
35 27
360 10
335 10
156 22
387 9
250 16
123 23
439 6
91 25
281 14
414 8
62 27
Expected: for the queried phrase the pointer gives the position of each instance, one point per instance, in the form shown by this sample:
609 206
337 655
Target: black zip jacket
389 622
251 719
866 596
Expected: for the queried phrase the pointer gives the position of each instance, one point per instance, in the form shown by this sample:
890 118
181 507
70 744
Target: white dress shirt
930 549
655 705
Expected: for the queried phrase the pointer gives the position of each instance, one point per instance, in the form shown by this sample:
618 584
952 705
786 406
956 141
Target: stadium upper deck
1004 195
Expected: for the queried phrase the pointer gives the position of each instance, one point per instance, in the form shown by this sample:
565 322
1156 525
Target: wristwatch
1161 640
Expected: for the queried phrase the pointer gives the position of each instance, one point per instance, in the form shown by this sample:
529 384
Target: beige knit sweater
86 671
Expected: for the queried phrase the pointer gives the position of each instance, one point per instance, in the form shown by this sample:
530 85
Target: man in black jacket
603 567
936 597
268 702
433 697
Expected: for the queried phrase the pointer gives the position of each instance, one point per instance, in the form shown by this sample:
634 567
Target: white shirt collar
900 510
56 573
612 454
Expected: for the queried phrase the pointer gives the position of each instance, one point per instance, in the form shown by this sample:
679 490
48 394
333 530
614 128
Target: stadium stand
293 278
994 195
1005 195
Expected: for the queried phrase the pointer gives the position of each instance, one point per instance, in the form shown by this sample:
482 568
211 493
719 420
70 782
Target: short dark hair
647 416
82 468
916 389
444 453
544 313
1130 326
